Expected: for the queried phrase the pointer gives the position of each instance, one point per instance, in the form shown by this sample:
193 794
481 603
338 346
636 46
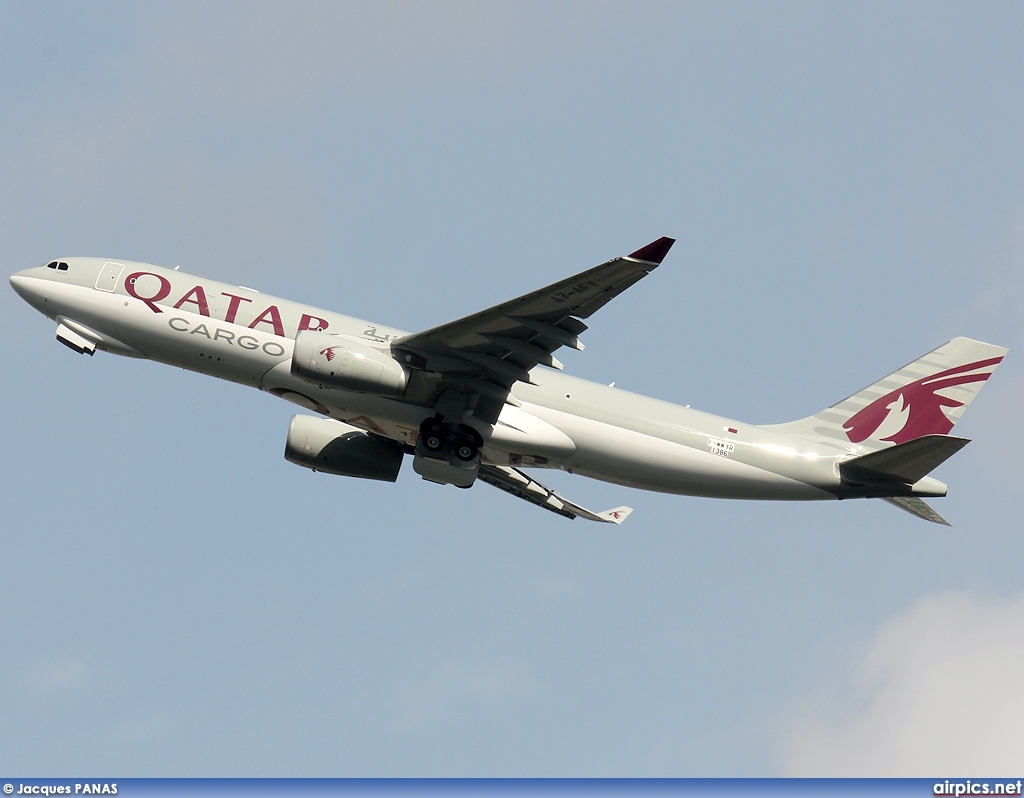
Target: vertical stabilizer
925 397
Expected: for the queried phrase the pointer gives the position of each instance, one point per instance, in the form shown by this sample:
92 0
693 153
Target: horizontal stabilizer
905 462
514 481
918 507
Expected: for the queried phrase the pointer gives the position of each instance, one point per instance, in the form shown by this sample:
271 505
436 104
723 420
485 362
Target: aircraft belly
522 438
626 457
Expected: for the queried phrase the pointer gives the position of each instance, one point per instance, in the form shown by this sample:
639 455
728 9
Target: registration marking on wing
579 289
720 447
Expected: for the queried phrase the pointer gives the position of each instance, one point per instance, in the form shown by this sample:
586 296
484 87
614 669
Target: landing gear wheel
467 444
434 435
465 449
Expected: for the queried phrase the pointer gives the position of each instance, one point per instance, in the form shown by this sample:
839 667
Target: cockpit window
62 266
51 265
58 265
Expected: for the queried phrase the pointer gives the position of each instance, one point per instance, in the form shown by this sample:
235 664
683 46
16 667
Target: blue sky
845 185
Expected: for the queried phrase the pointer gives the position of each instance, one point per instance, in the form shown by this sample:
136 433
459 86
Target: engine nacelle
334 447
335 361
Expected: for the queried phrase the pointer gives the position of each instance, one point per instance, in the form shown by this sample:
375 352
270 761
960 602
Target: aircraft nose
19 282
29 286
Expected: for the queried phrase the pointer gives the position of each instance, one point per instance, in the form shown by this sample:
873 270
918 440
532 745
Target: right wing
514 481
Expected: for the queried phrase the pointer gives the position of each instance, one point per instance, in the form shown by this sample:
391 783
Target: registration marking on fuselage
720 447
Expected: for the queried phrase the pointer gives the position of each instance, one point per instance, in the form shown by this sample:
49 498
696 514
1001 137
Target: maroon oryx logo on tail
918 405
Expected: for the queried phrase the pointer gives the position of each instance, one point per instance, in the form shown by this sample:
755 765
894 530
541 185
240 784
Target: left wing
482 355
514 481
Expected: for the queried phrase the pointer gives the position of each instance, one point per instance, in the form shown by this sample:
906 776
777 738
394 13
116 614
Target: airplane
483 398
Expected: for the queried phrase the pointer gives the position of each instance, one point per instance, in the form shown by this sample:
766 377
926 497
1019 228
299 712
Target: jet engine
323 444
340 362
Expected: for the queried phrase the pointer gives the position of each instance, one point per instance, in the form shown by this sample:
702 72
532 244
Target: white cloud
938 691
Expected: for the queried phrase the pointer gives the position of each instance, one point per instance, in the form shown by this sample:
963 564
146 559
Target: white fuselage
562 422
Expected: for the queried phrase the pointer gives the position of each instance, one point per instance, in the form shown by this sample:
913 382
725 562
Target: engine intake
323 444
340 362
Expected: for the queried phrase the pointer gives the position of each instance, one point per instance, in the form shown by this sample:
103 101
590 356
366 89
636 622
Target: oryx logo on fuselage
916 408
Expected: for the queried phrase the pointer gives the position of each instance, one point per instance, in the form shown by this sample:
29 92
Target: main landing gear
447 454
438 438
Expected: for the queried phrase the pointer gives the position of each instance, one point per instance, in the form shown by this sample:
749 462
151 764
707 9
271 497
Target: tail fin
925 397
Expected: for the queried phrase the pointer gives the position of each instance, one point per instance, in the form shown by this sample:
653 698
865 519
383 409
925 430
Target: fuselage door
107 281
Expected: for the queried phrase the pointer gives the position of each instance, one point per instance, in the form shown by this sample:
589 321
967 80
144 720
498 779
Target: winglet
654 252
615 516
